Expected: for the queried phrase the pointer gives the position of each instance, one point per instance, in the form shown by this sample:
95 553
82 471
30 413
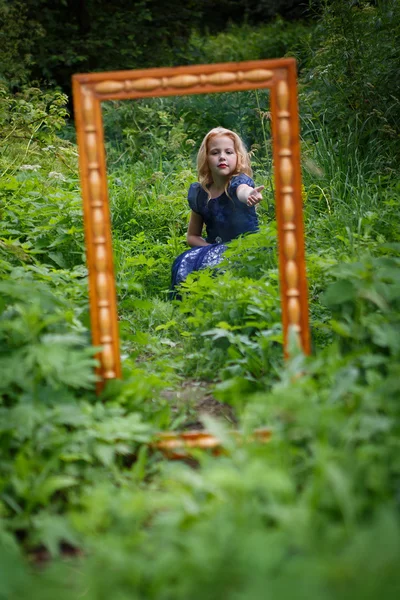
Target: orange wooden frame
89 90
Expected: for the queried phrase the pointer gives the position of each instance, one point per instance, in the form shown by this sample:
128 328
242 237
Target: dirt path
196 397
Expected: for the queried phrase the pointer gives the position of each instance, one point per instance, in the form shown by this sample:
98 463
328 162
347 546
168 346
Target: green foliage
31 115
351 80
51 42
42 218
237 313
38 354
79 476
160 131
373 282
239 42
39 194
16 47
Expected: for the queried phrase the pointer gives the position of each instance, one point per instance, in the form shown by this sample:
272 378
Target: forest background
87 509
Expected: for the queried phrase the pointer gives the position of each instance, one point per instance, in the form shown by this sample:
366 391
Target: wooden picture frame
90 90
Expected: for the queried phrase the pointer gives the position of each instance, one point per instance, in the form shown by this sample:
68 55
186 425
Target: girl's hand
255 197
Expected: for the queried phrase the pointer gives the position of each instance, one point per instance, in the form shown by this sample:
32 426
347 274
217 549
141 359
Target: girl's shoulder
239 179
197 197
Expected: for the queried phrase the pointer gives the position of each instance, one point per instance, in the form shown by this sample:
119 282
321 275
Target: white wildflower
55 175
30 167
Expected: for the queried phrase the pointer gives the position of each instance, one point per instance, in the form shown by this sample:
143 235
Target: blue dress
225 219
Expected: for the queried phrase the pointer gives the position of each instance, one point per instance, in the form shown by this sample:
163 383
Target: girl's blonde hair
203 169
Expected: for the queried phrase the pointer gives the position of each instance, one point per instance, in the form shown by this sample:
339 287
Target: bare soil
198 399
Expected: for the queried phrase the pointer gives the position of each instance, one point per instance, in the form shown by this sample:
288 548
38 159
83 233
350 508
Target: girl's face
221 156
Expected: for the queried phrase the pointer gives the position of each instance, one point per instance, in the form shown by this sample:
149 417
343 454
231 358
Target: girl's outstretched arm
193 236
248 195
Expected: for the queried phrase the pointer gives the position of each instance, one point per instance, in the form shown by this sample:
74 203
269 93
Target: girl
223 200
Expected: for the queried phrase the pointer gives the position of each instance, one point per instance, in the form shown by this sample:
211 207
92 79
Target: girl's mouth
222 166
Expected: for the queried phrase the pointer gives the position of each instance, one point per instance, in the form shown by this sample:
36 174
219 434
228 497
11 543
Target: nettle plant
365 301
232 320
44 348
